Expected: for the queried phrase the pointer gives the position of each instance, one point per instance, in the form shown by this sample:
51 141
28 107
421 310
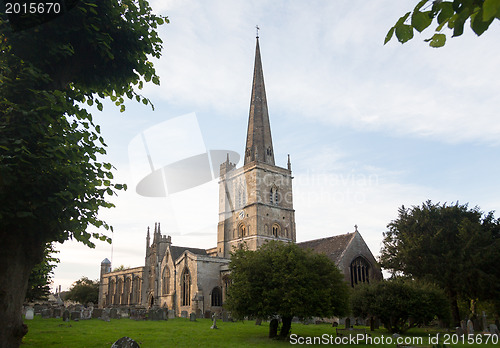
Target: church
255 206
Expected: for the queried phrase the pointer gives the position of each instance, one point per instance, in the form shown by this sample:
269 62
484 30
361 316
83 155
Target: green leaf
446 12
491 9
389 35
90 102
437 40
421 20
478 25
99 106
404 32
122 108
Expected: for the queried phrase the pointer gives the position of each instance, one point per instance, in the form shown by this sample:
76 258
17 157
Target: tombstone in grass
30 313
347 323
225 317
258 321
171 314
273 328
494 330
484 322
66 315
46 313
113 313
57 312
192 317
86 314
184 314
96 313
76 315
125 342
463 325
214 321
106 314
459 331
470 327
208 314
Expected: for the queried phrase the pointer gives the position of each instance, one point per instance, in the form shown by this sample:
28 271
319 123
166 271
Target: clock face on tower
241 215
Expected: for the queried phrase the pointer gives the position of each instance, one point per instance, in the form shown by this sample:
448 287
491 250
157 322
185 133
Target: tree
280 279
52 182
41 276
452 246
84 291
400 304
452 14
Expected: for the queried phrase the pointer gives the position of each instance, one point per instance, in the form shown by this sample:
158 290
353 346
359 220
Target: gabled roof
333 247
177 251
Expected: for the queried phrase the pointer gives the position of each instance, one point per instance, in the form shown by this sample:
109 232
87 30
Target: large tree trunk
17 258
285 327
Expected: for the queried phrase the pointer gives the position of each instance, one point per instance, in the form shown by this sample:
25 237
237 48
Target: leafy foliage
41 276
400 304
84 291
283 280
451 245
451 14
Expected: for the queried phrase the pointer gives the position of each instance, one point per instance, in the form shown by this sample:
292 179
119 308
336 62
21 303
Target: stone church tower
255 201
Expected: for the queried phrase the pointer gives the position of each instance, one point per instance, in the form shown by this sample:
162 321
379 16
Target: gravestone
192 317
96 313
106 314
46 313
57 313
66 315
484 323
225 317
273 328
30 313
38 308
113 313
76 315
208 314
184 314
470 327
153 314
459 331
494 330
171 314
214 321
125 342
463 325
86 314
258 321
347 323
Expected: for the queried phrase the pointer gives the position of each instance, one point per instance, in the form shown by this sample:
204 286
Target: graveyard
190 332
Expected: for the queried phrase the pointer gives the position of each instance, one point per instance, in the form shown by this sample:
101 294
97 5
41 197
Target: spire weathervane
257 28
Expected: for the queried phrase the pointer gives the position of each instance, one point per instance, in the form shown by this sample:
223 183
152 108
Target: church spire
259 147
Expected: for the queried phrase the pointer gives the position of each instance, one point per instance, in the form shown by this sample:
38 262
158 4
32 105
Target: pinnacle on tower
259 147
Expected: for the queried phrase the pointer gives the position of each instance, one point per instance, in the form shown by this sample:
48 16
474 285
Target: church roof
177 251
331 246
259 145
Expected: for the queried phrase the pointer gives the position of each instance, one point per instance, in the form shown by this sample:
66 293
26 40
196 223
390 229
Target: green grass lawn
179 332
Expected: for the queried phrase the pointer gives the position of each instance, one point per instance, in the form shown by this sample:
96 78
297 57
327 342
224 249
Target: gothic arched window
276 230
166 281
242 230
185 287
360 271
216 297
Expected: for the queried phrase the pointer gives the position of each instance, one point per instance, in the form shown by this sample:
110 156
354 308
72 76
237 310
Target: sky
369 127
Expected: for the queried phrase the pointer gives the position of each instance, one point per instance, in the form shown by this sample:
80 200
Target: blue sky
368 127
